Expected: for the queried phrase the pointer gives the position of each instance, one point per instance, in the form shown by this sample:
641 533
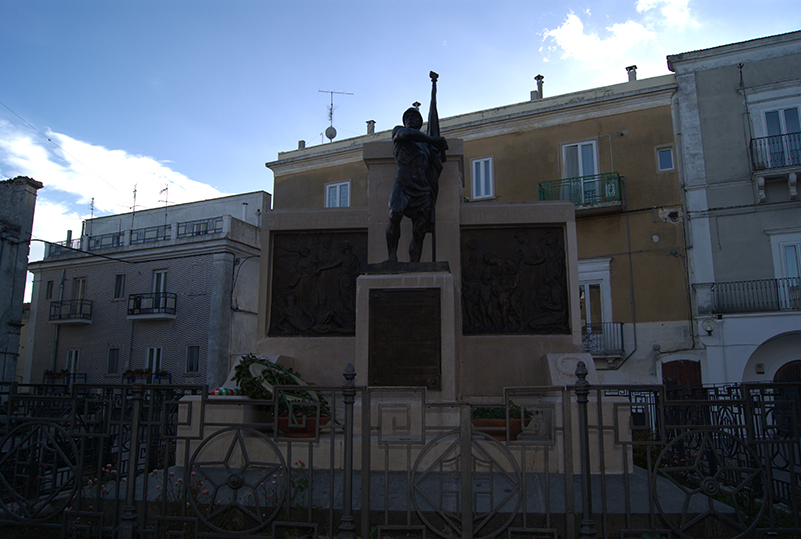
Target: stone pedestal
443 284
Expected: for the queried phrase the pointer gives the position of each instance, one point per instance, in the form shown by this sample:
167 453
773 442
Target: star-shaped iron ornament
250 479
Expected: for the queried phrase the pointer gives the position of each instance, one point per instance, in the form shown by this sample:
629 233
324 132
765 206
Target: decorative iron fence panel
156 461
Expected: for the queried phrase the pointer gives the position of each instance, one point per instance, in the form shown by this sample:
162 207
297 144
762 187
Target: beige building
610 151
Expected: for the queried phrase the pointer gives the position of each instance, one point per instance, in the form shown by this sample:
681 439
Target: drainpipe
631 281
55 333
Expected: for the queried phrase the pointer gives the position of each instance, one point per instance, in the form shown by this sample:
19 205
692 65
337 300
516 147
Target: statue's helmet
410 113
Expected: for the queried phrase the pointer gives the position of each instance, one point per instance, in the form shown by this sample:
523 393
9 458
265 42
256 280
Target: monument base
406 331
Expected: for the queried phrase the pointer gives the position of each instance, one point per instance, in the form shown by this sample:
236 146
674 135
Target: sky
104 97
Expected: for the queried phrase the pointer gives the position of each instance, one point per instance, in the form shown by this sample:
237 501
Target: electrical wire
59 147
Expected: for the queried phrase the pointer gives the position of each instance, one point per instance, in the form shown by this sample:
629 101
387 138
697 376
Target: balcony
200 227
71 311
62 247
106 241
150 234
776 152
590 194
766 295
152 306
603 340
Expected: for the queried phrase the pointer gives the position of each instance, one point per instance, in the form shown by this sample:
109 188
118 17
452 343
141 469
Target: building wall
17 201
214 277
723 95
111 329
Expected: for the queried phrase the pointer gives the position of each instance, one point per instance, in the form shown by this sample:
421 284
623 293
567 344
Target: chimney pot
632 71
370 127
539 79
301 144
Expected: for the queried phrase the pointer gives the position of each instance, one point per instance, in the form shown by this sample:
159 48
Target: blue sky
198 95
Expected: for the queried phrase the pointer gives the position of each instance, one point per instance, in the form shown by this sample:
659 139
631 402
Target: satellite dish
330 132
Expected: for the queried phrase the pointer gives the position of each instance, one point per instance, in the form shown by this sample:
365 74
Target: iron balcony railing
62 247
584 190
150 234
776 151
152 303
603 340
114 239
200 227
71 309
763 295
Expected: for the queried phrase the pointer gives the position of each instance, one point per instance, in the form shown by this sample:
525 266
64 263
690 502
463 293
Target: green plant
497 412
641 450
257 377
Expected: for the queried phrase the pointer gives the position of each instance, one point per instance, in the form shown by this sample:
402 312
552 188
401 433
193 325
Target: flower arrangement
257 377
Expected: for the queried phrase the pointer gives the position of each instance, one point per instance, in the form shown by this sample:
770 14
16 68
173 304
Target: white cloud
75 172
594 51
675 12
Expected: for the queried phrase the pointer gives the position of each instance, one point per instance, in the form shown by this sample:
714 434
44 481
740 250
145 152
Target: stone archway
778 356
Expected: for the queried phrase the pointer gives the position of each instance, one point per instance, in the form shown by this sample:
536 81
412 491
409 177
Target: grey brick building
167 290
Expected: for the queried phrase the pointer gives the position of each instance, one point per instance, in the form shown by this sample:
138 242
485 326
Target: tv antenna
330 132
166 192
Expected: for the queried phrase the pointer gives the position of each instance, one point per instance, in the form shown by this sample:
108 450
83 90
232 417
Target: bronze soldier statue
419 157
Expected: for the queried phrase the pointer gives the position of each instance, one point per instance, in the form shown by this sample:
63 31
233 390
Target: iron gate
612 461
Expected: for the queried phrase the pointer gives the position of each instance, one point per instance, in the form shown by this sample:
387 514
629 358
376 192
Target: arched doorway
789 372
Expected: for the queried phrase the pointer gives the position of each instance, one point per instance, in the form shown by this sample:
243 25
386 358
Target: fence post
582 397
346 527
129 517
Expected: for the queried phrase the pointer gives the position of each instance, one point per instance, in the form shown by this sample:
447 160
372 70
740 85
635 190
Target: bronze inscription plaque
404 343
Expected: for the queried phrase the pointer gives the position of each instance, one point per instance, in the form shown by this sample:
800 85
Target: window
337 195
113 364
595 291
192 359
579 160
49 290
599 334
154 359
783 128
72 361
159 281
119 286
79 288
483 186
579 163
664 159
786 247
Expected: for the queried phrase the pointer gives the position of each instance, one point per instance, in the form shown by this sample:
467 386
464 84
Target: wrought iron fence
776 151
764 295
147 461
583 190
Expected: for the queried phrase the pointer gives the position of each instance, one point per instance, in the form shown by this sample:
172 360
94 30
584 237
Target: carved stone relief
514 281
314 282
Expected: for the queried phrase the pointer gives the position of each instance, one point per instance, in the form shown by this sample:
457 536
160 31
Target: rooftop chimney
539 79
370 127
301 144
632 71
